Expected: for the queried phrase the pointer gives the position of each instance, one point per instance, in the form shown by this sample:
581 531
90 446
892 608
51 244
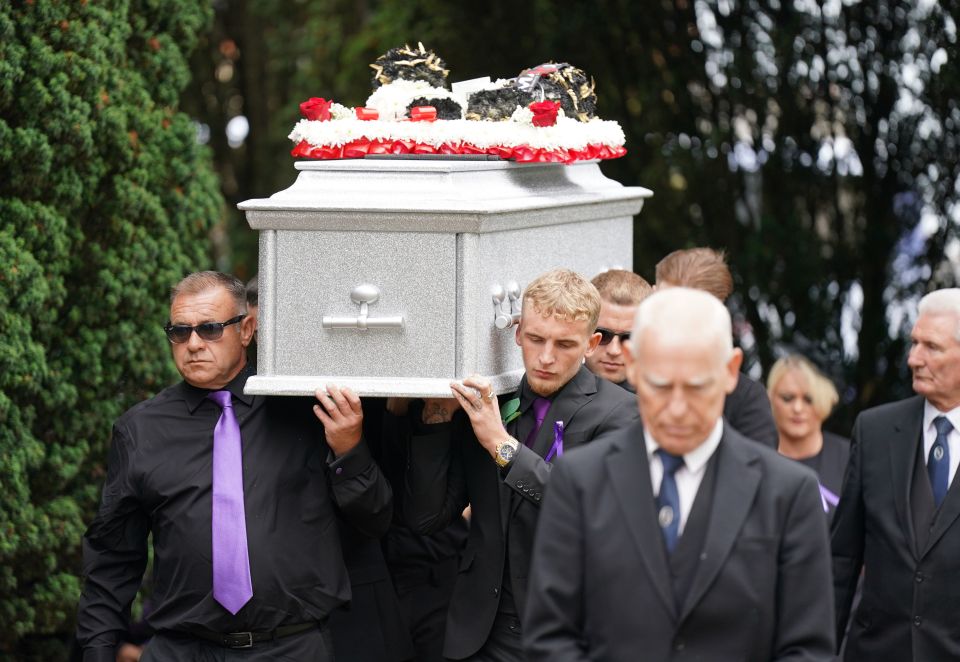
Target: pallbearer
242 494
497 456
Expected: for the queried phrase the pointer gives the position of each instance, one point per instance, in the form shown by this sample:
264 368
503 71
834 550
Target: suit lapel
571 398
566 404
903 445
630 476
736 485
949 511
946 516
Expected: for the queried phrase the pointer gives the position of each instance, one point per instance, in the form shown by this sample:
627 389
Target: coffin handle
363 295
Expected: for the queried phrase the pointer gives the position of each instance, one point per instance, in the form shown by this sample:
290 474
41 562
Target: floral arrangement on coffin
546 114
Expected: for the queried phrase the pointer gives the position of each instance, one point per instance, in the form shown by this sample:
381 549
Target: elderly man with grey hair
898 513
678 538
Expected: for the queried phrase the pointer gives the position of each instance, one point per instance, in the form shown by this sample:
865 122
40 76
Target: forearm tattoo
434 412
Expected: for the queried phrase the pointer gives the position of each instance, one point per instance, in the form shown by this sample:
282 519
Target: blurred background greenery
816 141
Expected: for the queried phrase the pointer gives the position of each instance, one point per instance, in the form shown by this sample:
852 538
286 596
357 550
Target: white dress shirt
690 475
930 435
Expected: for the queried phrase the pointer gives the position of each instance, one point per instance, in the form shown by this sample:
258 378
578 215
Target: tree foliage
105 199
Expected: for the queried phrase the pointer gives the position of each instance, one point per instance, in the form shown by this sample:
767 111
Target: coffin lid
443 195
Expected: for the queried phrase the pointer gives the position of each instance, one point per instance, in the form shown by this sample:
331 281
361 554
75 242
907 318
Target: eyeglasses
179 333
607 336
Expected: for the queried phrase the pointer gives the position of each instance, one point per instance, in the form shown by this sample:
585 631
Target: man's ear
628 360
733 369
592 343
517 334
248 325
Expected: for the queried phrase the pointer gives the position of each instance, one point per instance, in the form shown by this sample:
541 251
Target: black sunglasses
607 336
178 333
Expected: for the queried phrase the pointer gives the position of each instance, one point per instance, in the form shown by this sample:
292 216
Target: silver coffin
396 276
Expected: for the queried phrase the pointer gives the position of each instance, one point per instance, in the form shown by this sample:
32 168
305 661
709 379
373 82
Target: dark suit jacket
449 468
748 410
600 587
910 608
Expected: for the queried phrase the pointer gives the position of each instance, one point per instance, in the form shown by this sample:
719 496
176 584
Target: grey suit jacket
449 468
600 586
910 609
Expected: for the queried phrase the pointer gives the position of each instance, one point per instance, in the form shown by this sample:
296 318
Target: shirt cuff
352 463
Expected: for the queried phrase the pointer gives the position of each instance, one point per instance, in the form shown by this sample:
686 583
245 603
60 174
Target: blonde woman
802 398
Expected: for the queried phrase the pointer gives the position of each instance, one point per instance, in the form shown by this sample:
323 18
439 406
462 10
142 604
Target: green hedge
105 199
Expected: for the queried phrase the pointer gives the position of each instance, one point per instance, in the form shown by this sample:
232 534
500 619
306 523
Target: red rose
544 112
316 108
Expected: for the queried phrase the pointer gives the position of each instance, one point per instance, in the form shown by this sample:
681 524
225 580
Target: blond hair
620 287
823 394
563 294
700 268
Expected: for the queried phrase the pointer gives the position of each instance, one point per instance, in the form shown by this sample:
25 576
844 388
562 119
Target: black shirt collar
194 395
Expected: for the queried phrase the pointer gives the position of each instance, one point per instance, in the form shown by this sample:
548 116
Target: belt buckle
236 640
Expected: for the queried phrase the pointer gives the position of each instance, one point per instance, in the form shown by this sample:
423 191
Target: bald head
682 362
687 316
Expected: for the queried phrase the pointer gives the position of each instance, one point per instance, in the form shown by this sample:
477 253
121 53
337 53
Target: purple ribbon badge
828 499
557 448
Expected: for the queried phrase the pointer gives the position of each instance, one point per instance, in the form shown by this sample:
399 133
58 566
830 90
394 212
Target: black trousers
424 596
310 646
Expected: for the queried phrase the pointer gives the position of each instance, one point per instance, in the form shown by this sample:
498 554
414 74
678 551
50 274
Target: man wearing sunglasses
620 293
242 497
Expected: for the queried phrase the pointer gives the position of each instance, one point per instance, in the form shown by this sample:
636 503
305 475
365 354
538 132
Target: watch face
506 452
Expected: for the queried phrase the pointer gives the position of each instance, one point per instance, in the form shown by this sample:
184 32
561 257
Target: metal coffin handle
506 305
363 295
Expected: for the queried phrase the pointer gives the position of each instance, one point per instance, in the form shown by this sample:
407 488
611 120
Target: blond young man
620 293
498 459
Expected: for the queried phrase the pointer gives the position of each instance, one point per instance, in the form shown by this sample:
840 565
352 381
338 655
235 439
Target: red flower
423 113
544 112
316 108
364 113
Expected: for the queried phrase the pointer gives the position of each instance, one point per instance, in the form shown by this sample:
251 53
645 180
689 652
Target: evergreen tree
105 200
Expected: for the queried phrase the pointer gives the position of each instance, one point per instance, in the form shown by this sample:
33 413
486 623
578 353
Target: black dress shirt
830 464
159 481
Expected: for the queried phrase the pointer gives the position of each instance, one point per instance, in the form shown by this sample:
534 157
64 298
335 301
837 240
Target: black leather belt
248 639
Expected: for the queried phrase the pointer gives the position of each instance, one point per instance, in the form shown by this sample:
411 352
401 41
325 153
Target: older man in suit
499 460
898 512
677 538
747 407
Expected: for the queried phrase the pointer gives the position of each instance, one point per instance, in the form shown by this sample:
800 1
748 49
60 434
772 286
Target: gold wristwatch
506 450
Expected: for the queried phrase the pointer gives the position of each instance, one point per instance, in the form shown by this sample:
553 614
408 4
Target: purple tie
232 586
540 407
